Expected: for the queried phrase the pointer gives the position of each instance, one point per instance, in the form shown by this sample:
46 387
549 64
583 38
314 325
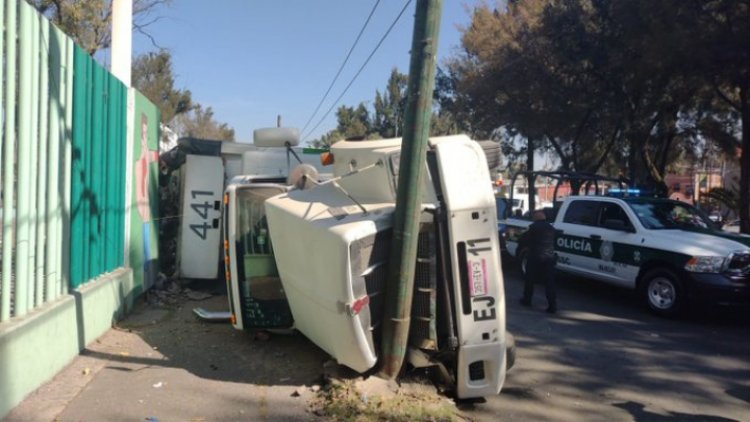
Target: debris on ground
262 335
196 296
376 386
170 293
346 396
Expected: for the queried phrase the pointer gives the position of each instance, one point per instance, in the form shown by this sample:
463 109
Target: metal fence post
41 198
54 44
25 102
9 155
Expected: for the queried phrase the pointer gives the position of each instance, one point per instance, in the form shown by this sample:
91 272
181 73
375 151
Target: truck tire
493 153
510 350
663 292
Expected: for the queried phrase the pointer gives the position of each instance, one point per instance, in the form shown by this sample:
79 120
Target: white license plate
478 277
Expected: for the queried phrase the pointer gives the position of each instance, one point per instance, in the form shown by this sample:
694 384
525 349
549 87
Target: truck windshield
669 215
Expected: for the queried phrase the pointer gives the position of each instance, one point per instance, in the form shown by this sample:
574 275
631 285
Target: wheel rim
662 293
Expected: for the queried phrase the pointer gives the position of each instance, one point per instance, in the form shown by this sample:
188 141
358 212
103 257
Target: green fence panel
115 185
78 175
97 202
35 170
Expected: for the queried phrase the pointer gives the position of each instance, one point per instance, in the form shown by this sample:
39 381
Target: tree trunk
530 179
745 160
632 159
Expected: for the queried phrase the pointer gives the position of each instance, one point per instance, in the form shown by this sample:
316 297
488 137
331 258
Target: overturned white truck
313 254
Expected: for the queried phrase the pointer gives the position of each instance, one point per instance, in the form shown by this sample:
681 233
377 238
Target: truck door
575 241
617 247
256 296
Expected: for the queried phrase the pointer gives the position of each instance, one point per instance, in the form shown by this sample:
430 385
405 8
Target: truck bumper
481 370
719 289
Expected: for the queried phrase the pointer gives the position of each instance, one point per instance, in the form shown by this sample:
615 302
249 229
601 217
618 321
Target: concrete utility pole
122 39
400 289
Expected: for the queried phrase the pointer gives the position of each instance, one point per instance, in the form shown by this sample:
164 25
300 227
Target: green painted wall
144 210
35 347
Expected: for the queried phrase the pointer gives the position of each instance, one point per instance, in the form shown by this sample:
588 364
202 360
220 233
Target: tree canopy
200 123
89 22
154 77
623 86
386 118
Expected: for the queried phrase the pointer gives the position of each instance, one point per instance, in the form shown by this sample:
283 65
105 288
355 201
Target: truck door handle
560 232
595 237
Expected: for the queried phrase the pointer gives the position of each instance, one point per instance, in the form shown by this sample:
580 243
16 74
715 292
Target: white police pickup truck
666 249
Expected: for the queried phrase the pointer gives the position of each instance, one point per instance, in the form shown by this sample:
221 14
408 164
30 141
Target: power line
390 28
335 78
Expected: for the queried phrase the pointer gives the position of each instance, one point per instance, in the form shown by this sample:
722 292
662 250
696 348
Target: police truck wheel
663 292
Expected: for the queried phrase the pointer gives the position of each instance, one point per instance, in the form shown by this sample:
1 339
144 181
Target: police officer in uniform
540 266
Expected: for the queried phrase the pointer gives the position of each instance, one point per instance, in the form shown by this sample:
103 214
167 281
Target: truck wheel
663 292
510 350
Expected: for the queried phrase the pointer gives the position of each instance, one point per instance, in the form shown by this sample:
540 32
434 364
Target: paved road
604 357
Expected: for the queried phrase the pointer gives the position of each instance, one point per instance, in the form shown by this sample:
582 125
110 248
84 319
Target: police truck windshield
669 215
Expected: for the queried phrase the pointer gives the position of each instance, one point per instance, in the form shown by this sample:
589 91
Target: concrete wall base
36 346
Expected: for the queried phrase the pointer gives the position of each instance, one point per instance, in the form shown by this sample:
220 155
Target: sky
251 60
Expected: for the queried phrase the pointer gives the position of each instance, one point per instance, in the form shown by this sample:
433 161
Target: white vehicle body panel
312 255
203 178
472 222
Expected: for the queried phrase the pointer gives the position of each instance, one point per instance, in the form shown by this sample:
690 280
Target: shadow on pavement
214 351
604 353
639 413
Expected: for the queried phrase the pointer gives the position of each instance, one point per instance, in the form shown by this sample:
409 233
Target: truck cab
322 247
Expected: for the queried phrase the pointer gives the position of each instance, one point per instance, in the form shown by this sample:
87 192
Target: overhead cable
335 78
390 28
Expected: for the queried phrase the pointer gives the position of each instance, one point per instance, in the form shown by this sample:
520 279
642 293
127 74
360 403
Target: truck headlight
706 264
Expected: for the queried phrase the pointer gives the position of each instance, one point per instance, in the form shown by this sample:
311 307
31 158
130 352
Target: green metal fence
63 126
36 93
98 179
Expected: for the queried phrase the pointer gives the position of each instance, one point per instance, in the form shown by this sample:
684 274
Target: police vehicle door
616 244
574 243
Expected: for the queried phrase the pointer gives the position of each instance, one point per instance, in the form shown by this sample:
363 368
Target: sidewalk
163 363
